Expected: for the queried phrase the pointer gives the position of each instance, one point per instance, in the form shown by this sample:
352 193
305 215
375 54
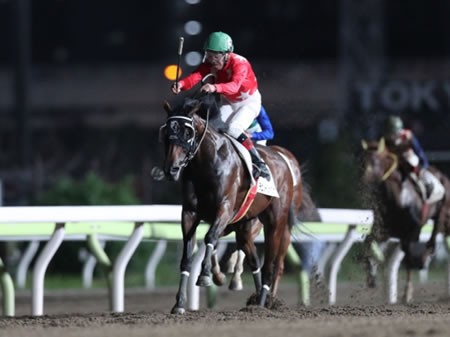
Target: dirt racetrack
359 312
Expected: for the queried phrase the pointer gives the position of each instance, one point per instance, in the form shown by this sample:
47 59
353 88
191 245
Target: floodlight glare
193 27
170 72
193 58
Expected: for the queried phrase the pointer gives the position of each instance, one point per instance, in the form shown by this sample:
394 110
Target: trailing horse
218 188
399 211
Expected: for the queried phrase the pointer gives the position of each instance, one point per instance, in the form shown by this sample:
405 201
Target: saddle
431 188
264 186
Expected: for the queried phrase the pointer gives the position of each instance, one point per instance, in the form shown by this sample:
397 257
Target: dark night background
96 86
274 30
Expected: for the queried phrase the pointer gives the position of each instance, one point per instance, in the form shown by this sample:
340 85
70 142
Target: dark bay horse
398 209
215 183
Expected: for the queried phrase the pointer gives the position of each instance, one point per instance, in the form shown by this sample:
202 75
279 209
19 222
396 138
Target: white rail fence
161 223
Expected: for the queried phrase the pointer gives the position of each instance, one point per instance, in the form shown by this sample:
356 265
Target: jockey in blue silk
261 129
406 146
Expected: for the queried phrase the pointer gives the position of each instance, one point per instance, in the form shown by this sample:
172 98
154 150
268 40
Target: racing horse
399 212
216 183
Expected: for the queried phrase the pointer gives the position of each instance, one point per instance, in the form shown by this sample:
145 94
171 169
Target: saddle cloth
265 186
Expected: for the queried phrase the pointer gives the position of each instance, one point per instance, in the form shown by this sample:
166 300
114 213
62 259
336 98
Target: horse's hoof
236 285
204 281
219 279
178 311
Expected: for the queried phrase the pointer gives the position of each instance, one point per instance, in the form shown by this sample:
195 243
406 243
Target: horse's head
179 136
378 163
182 134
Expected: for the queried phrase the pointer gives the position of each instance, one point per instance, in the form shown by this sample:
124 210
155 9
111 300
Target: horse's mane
208 108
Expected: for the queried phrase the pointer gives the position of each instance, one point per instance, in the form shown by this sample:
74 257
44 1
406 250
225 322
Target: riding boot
259 167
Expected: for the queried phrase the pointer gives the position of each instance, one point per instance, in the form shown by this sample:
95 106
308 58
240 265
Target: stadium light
193 58
170 72
193 27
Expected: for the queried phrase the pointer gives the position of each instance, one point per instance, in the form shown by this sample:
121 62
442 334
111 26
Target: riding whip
180 51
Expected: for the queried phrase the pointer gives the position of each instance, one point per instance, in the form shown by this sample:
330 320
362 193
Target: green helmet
393 126
219 42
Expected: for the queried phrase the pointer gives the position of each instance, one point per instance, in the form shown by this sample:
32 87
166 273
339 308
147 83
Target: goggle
214 56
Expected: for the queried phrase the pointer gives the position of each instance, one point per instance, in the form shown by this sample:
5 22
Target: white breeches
240 115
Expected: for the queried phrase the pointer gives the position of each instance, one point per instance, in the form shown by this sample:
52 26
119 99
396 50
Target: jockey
405 144
261 129
236 83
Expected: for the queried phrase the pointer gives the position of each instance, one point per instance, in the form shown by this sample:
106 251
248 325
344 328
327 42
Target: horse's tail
308 209
292 217
308 212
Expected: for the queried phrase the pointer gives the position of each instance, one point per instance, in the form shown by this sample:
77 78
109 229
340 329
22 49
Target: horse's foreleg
204 279
373 257
408 296
185 269
211 239
371 269
438 225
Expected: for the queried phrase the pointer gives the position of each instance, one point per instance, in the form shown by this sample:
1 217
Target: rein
392 168
192 154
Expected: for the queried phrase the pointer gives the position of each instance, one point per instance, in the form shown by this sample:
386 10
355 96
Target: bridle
188 140
392 168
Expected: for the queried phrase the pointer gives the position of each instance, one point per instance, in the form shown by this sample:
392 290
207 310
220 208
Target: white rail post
118 279
42 262
24 263
152 264
335 262
193 294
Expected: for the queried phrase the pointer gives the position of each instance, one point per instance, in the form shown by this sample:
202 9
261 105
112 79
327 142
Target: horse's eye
188 134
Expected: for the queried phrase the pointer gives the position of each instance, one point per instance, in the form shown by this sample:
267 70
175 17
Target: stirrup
260 170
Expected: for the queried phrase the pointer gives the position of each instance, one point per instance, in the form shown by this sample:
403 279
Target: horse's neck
208 159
